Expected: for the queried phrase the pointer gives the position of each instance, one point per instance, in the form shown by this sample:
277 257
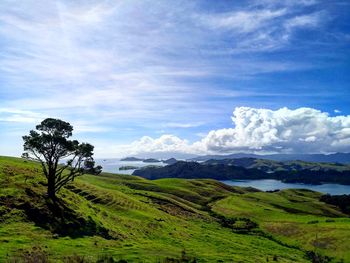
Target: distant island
128 167
151 160
131 159
148 160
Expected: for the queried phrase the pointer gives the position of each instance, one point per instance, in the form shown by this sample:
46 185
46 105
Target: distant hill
275 166
170 161
151 160
222 171
328 158
131 159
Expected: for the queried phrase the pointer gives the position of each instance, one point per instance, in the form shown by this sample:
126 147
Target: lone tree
49 145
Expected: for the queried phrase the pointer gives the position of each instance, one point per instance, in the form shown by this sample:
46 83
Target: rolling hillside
343 158
131 219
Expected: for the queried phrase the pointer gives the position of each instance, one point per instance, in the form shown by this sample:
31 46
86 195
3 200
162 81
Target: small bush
183 259
75 259
318 258
107 259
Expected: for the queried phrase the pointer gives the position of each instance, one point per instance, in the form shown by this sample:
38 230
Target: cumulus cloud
165 143
283 130
302 130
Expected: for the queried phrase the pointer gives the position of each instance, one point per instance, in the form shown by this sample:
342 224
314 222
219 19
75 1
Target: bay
271 184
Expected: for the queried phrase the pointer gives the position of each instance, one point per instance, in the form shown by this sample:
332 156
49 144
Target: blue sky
186 77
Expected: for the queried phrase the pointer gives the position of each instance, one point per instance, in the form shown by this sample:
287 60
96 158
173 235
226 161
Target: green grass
295 217
149 221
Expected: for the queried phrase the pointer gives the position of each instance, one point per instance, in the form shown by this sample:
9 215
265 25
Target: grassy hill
169 220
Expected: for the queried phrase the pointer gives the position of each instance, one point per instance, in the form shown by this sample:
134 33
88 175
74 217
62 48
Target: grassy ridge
139 220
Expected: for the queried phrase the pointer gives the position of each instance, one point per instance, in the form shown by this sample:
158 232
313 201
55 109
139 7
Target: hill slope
167 220
327 158
224 170
275 166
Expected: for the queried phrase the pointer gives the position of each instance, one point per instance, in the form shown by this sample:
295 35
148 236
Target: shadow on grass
60 219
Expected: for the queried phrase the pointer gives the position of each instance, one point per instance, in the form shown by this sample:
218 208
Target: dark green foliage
108 259
341 201
313 222
318 258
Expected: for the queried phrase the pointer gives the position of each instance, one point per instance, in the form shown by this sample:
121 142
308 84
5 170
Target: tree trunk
51 187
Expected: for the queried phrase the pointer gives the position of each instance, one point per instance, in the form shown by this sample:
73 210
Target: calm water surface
270 184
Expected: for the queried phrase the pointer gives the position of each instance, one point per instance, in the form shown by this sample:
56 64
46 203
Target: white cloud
165 143
183 125
263 28
303 130
304 21
20 116
282 130
106 55
297 3
243 21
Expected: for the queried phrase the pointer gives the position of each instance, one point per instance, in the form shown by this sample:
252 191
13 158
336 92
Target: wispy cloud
243 21
263 29
21 116
306 21
183 125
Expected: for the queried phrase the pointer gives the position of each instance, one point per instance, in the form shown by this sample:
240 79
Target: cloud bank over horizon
301 130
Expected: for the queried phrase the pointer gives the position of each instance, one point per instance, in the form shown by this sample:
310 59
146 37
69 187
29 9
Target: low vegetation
121 218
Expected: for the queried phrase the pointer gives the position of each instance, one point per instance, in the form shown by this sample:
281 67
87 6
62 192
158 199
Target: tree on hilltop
50 145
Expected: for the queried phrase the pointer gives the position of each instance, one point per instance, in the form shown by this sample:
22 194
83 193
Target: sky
178 78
